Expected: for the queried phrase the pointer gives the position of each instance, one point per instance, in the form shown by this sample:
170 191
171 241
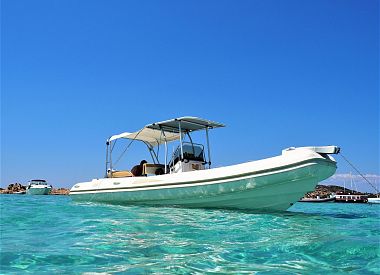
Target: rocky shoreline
59 191
17 188
325 191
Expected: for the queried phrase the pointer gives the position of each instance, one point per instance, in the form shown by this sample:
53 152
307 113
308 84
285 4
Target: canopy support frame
166 150
180 139
208 149
170 130
107 147
152 153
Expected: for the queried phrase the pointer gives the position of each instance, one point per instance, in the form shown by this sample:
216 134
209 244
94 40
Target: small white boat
351 198
38 187
19 193
188 180
330 199
374 200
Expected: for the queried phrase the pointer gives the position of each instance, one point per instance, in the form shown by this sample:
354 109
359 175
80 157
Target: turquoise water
53 235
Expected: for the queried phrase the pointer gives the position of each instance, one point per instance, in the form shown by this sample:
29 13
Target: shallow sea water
53 235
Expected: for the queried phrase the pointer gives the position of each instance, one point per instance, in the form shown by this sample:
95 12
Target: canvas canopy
188 124
156 133
150 136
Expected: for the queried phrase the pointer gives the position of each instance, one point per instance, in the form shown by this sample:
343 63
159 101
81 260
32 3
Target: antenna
344 186
352 188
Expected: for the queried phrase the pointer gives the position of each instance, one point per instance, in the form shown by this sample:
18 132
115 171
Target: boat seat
121 174
152 168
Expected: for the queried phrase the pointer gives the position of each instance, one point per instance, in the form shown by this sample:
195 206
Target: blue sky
277 73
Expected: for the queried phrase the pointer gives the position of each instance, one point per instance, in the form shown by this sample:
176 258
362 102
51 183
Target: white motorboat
377 199
188 180
38 187
374 200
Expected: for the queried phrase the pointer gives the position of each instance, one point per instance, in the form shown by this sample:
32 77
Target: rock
60 191
323 191
17 187
12 188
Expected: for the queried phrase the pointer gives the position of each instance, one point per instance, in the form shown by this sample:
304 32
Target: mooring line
359 172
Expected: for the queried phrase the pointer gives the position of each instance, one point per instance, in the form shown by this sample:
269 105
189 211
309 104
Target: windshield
38 182
191 151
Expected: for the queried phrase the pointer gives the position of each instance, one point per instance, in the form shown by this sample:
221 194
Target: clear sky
277 73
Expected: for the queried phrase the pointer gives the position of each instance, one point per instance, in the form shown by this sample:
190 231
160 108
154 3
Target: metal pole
180 138
166 149
166 156
208 149
107 158
150 152
110 159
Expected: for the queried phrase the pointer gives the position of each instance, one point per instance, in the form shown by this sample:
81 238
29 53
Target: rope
359 173
122 154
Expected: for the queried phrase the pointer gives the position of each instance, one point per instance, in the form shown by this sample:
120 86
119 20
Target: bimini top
188 124
159 132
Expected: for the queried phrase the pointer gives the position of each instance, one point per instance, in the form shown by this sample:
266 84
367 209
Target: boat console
193 158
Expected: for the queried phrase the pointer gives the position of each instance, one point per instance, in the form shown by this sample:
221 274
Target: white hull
38 190
270 184
374 200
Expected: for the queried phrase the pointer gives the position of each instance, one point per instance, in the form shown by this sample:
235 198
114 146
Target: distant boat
377 199
331 199
374 200
38 187
19 193
351 198
268 184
